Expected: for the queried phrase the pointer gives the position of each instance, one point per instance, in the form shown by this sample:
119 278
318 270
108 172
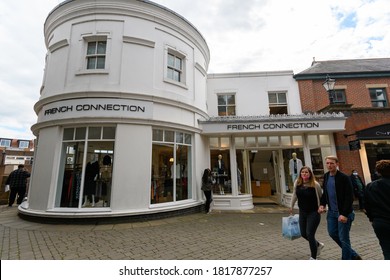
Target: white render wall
251 91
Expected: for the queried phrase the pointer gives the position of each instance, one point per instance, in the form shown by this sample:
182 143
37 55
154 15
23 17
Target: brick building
361 92
13 153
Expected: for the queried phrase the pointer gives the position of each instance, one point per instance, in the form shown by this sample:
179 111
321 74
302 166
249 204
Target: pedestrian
17 180
207 186
377 206
308 193
358 188
338 195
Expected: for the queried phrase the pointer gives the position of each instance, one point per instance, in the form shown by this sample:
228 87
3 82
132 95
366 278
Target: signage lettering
96 107
273 126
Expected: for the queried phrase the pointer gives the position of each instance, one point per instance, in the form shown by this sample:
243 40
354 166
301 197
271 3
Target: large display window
171 166
86 167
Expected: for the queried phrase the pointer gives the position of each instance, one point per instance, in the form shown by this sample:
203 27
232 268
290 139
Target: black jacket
377 202
344 193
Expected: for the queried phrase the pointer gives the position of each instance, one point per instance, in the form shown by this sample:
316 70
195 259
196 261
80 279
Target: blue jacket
344 193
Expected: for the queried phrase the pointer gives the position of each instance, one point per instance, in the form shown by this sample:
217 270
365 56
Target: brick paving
234 235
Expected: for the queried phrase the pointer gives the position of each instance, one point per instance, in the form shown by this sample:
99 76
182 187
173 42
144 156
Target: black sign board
354 145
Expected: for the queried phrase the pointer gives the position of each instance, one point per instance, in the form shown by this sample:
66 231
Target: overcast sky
243 36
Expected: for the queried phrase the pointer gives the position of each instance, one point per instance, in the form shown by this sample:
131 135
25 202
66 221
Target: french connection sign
96 107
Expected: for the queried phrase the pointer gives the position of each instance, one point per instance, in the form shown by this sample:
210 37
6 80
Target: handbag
6 188
290 227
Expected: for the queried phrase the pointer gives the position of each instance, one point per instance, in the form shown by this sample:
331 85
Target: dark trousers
207 194
382 231
20 192
308 224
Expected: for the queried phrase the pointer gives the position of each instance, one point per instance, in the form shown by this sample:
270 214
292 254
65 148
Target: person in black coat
377 206
358 188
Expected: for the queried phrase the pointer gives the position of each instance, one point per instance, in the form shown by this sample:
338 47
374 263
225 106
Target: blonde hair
332 158
312 179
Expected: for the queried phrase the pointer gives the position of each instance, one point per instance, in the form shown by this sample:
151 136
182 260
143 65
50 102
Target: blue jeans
339 232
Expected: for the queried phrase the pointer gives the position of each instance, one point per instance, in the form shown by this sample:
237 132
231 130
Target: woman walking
308 192
207 186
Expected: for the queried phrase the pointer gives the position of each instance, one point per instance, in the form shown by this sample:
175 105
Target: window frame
378 101
182 72
23 144
277 105
96 55
227 105
5 142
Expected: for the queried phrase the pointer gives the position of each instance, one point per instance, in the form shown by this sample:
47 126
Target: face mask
355 173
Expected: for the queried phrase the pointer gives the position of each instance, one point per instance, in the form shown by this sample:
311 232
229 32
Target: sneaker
312 259
319 248
357 257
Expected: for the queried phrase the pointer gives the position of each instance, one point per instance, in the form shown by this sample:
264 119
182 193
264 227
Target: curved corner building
117 132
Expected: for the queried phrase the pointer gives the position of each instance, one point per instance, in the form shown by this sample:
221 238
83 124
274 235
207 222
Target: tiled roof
351 66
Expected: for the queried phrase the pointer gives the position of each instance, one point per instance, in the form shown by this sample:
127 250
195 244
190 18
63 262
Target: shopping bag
6 188
290 227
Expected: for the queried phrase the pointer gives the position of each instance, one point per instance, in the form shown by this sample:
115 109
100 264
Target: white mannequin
295 165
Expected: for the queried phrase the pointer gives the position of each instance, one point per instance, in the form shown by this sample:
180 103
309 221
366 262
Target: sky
242 35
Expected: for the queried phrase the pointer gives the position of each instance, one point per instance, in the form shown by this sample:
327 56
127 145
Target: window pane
239 142
91 62
230 99
101 48
231 111
158 135
101 61
169 136
80 133
94 133
171 60
272 99
91 48
179 137
251 141
213 142
313 140
176 76
68 134
222 100
170 74
221 111
285 140
297 140
274 140
324 140
225 143
187 139
177 63
108 132
262 141
282 98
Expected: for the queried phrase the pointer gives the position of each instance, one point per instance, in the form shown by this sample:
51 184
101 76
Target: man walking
17 181
338 195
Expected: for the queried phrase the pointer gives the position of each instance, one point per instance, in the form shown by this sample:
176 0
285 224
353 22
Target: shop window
226 104
378 97
220 167
263 141
5 143
86 167
171 166
297 140
277 103
96 54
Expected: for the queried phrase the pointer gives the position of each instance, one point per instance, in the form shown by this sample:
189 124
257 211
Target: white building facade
128 118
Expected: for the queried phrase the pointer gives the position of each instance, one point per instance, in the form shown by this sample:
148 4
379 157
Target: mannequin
91 175
220 166
295 165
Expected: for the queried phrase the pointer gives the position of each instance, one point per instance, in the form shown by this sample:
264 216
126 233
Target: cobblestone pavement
238 235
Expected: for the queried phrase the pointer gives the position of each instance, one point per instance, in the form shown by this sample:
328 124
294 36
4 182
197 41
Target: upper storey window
96 54
339 96
226 104
378 97
277 103
5 143
175 67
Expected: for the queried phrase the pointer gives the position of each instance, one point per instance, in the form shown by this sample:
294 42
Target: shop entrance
260 172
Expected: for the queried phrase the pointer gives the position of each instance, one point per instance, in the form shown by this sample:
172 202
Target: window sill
92 72
173 82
